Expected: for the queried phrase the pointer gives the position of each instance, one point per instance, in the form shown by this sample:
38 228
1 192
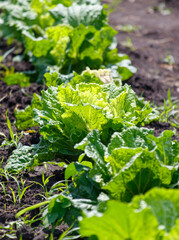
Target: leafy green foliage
119 221
169 59
71 35
53 78
24 118
130 164
174 233
66 114
19 16
138 172
167 151
93 117
58 37
30 156
164 205
169 111
124 221
15 18
70 52
17 78
67 206
69 114
79 14
20 159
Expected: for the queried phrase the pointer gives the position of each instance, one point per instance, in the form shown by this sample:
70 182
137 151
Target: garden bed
156 36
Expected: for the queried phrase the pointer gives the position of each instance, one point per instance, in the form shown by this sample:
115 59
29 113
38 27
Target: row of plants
97 129
120 179
117 159
68 35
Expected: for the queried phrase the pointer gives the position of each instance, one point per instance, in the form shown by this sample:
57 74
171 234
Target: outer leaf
94 149
120 222
99 45
41 7
120 65
51 124
80 33
85 77
59 35
21 158
167 150
79 14
89 46
136 174
125 106
24 118
53 78
38 46
52 213
81 195
132 137
125 69
174 233
28 156
164 204
17 17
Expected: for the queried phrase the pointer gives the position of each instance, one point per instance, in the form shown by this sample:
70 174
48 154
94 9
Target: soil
157 35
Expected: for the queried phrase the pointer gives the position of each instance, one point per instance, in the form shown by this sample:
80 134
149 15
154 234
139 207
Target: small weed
169 111
2 184
161 8
45 181
2 58
3 171
70 233
112 4
128 28
9 231
13 196
169 59
128 43
14 137
21 190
